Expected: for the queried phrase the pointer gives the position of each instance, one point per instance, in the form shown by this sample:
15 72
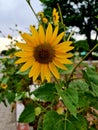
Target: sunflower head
55 16
43 52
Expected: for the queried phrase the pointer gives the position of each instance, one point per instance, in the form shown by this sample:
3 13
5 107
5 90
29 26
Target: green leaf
91 76
53 121
94 89
1 97
80 85
5 79
80 123
19 96
22 73
28 114
92 128
10 97
83 100
45 92
94 103
70 125
70 99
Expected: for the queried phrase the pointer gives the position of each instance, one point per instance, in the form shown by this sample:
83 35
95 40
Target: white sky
17 12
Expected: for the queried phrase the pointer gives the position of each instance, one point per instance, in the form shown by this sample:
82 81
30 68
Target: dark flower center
44 53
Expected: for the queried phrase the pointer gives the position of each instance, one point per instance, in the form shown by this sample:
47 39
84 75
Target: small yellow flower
55 16
45 20
41 14
3 86
43 52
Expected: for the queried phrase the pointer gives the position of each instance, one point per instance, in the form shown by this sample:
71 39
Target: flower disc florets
44 53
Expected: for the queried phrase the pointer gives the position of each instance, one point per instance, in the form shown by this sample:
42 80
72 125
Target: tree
80 13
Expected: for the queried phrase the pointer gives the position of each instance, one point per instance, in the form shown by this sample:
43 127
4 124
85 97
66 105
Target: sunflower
42 53
55 16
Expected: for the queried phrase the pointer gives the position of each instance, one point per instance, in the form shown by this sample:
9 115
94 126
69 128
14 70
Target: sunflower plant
65 91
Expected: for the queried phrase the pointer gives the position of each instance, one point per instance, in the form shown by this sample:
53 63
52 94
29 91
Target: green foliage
56 122
91 78
16 82
79 123
28 114
81 45
48 95
70 99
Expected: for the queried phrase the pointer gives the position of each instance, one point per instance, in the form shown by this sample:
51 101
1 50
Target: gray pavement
7 118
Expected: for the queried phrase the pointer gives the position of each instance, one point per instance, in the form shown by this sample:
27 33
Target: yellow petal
64 60
59 64
54 11
43 72
34 33
21 60
68 55
24 46
47 72
67 61
54 35
63 55
58 39
26 66
29 39
54 71
41 34
63 48
35 70
68 42
60 54
48 33
24 54
63 45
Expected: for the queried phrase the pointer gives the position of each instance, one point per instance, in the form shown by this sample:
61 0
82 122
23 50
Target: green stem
81 61
70 36
65 127
28 1
60 13
61 19
58 86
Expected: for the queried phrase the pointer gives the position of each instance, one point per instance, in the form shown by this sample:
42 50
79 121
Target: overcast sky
17 12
